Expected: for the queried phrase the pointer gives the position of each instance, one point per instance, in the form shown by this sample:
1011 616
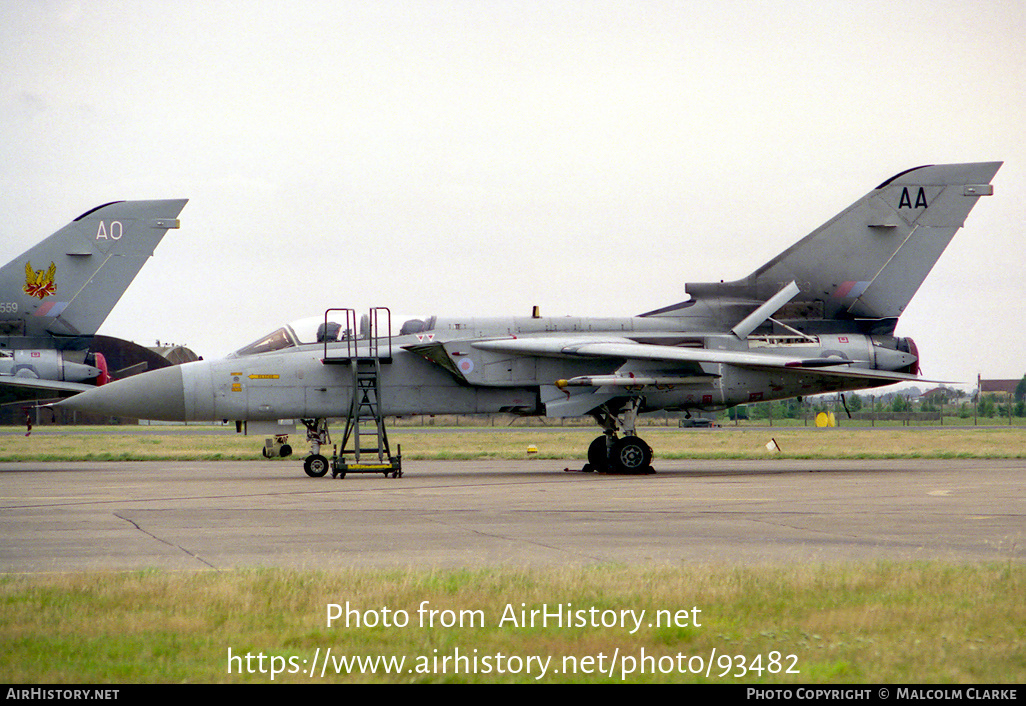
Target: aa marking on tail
906 199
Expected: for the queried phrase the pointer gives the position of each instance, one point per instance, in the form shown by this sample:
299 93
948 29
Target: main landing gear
611 453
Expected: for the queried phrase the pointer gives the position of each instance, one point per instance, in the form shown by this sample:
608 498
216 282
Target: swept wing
623 348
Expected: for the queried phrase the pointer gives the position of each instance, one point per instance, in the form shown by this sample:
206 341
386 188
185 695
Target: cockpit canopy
316 330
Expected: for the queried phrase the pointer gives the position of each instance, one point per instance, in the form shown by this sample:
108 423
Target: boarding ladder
365 447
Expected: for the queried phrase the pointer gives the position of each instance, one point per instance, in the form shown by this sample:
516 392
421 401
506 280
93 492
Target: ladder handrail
350 326
374 334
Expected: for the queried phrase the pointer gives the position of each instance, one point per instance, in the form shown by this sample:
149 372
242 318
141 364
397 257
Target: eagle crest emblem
39 283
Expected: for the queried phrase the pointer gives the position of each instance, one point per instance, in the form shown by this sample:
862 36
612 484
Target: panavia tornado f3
819 317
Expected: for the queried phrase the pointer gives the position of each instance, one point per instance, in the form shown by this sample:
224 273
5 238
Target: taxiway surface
222 515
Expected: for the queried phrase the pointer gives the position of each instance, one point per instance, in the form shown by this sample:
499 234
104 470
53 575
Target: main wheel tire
630 455
316 466
598 459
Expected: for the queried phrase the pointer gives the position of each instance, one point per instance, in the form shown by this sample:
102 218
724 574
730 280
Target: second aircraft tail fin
68 283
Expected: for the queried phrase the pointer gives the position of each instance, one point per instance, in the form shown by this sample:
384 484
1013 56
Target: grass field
191 443
868 623
922 623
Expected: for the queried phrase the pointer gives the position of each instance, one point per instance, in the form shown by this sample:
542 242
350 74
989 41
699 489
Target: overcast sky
483 157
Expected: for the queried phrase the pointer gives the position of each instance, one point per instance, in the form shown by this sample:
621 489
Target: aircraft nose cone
158 394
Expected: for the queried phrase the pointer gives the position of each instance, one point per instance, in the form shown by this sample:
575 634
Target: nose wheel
316 466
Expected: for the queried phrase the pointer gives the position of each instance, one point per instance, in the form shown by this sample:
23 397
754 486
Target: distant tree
740 412
792 409
987 406
900 404
1020 390
854 403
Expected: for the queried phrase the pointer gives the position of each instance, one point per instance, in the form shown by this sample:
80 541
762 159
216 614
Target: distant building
937 394
174 353
999 386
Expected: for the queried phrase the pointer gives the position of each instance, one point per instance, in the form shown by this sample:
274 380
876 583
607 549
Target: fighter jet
55 296
819 317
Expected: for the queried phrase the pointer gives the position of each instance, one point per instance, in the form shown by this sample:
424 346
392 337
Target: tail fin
868 261
68 283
